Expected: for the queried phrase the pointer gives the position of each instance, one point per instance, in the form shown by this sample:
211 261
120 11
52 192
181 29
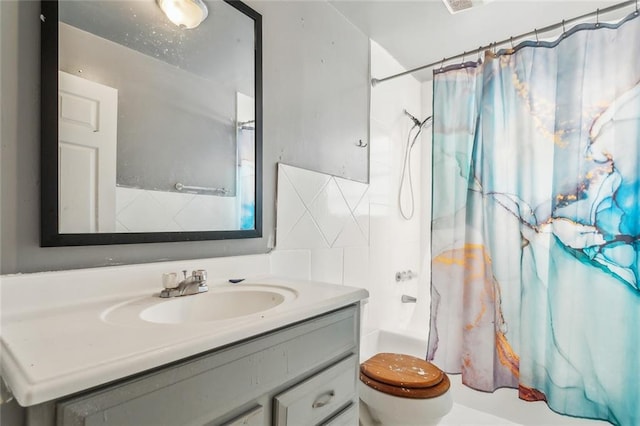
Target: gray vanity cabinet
303 374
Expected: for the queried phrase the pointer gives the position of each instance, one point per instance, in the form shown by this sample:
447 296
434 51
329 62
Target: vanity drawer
318 397
347 417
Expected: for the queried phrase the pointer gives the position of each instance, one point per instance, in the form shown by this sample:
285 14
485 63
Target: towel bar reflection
216 191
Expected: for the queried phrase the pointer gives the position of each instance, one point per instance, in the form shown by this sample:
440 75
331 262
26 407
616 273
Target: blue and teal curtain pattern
536 222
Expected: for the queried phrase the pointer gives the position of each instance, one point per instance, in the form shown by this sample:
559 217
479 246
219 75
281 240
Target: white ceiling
423 31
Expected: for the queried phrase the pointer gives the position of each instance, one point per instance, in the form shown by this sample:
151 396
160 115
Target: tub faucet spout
408 299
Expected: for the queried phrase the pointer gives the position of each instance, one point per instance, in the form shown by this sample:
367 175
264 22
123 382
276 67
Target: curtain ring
463 55
637 8
564 31
535 30
597 18
479 56
494 48
442 64
511 40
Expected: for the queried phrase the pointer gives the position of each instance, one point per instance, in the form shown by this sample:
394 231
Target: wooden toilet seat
404 376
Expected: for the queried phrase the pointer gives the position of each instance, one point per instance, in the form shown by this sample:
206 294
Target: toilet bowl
404 390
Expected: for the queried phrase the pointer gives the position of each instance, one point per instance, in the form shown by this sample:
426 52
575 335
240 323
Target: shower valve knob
405 275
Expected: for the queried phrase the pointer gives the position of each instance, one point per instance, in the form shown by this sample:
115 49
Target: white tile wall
395 243
144 210
356 266
322 227
327 265
291 263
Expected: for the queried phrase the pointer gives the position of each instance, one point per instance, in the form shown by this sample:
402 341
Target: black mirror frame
49 229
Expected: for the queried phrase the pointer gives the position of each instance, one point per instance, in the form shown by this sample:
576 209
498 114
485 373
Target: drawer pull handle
323 399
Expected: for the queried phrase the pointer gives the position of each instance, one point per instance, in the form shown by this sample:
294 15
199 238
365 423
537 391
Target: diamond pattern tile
173 202
307 183
351 235
362 215
124 197
143 214
208 213
144 210
305 234
352 191
330 210
316 210
290 206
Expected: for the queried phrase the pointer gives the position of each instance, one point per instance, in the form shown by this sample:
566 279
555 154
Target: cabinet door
318 397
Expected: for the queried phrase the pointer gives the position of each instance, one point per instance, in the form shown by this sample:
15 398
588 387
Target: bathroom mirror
151 131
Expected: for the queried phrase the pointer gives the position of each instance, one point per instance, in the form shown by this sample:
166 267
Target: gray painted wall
316 90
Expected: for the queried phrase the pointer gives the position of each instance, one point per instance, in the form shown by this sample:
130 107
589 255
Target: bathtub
470 407
389 341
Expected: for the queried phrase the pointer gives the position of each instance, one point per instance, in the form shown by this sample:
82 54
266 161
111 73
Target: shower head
415 120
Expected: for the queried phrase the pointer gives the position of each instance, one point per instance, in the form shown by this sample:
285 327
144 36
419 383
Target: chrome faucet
194 284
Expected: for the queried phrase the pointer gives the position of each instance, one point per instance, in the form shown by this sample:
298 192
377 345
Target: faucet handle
170 280
200 275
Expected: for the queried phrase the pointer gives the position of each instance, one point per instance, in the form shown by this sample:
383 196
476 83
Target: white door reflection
87 153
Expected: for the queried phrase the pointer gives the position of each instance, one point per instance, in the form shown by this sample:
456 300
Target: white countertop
50 352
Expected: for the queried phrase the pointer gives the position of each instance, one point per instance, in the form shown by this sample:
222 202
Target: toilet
400 389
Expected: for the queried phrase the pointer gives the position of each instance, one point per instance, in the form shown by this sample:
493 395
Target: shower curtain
536 222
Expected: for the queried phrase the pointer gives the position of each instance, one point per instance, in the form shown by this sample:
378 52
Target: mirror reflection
156 119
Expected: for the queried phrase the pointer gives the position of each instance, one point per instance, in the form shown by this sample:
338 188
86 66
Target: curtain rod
535 32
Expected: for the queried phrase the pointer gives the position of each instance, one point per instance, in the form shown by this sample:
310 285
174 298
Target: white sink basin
212 306
218 304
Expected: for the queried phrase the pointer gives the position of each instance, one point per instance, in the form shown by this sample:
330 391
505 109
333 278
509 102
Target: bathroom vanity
103 362
302 374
